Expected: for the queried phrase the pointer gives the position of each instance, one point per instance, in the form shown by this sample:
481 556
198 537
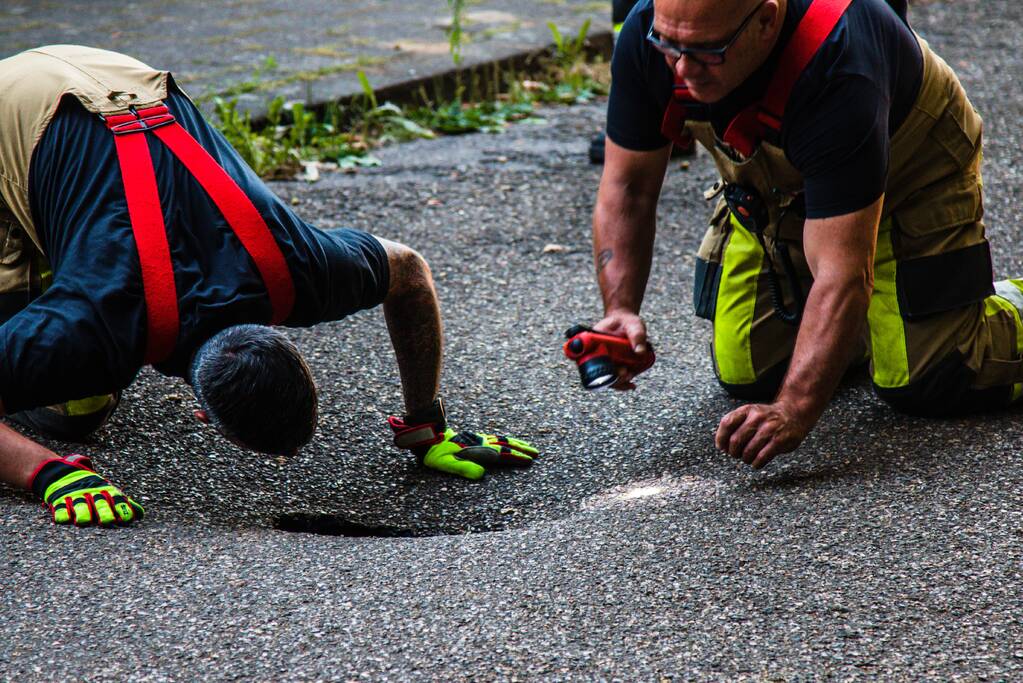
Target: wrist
433 413
803 410
55 468
420 430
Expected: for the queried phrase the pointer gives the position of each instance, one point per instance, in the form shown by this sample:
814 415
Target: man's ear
202 416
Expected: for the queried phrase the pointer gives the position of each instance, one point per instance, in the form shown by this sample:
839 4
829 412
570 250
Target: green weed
346 134
571 80
455 35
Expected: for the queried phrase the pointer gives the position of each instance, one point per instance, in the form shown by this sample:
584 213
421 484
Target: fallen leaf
310 172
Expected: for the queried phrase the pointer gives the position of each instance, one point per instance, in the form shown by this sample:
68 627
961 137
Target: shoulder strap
147 225
751 125
240 213
146 215
814 28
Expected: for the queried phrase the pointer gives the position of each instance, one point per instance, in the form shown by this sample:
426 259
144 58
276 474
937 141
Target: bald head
679 15
715 23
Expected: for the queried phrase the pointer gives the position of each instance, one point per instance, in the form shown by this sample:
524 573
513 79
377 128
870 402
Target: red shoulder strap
146 215
676 113
749 127
814 28
150 235
241 215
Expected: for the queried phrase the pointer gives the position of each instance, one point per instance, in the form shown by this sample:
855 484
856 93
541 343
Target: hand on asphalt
75 494
625 324
756 433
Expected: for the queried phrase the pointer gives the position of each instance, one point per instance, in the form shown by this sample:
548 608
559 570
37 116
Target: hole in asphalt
335 525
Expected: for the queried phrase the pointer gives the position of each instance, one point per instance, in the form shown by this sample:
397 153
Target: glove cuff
55 468
421 429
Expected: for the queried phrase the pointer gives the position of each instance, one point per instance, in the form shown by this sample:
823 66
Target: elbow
848 290
410 273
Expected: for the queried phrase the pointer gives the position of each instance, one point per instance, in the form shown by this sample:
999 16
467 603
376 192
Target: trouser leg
22 280
751 343
950 363
72 420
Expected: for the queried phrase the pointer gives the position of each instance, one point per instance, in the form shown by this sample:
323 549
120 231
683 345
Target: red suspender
749 127
814 28
240 214
674 121
151 234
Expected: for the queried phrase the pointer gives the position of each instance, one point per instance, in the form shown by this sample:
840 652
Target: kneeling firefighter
848 222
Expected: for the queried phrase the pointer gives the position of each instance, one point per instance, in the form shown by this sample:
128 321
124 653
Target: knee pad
943 391
70 421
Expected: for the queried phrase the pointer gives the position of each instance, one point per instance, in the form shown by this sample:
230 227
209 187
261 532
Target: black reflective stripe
944 282
764 388
90 482
50 472
945 390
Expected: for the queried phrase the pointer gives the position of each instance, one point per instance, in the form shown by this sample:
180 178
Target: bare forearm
415 328
840 253
835 313
413 321
623 239
624 223
19 457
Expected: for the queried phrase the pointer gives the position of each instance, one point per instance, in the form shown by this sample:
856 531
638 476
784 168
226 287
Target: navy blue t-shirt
86 334
849 101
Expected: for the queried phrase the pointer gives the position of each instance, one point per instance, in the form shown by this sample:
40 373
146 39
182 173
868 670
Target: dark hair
256 389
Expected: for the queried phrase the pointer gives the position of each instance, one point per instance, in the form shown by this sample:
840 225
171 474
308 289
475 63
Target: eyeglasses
707 56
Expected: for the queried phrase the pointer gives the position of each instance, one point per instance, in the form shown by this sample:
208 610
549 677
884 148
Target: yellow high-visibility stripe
887 331
993 305
88 406
736 300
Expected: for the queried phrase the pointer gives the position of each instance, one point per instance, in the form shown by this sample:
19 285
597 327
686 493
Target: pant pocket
707 278
705 288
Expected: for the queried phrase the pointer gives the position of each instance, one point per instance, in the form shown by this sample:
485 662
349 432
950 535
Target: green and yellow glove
465 454
75 494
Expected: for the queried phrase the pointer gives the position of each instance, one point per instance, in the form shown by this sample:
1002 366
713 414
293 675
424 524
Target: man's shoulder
636 25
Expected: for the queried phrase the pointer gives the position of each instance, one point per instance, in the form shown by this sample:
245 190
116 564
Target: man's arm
413 321
19 456
624 225
840 253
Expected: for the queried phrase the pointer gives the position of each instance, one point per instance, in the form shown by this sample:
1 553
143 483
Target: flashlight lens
598 373
602 382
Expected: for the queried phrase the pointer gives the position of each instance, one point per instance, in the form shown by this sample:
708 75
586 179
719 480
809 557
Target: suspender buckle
139 120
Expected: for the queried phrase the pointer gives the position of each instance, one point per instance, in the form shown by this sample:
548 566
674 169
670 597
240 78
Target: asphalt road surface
886 547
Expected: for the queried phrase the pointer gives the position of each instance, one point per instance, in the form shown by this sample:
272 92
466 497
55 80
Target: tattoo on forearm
603 258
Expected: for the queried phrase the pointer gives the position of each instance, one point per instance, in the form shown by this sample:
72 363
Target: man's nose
687 67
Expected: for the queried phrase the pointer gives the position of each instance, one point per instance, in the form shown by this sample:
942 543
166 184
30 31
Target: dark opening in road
335 525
